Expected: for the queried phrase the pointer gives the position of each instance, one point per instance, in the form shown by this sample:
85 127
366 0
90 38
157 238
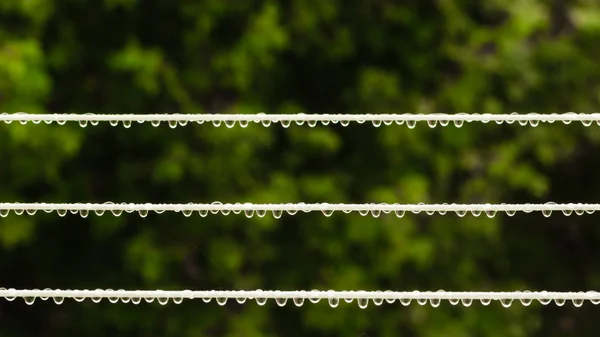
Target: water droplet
579 212
545 301
430 212
58 300
432 123
399 213
249 213
83 124
29 300
421 301
261 212
172 124
577 302
136 300
453 301
4 213
405 301
511 212
277 214
99 212
206 299
490 214
458 123
19 211
461 213
163 300
334 302
559 301
586 123
594 301
261 301
298 301
534 123
126 124
230 124
281 301
411 124
348 300
84 213
202 212
125 299
327 212
117 212
79 299
390 300
344 123
363 212
476 213
375 213
143 213
314 300
378 301
241 300
506 302
376 123
221 300
485 301
435 302
155 123
363 303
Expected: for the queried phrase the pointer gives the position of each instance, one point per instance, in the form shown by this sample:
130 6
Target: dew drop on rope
261 301
421 301
559 301
277 214
363 303
405 301
3 213
241 300
334 302
298 301
399 214
221 301
484 301
281 301
453 301
506 302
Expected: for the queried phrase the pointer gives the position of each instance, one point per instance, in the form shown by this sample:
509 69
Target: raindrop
405 301
117 212
476 213
375 213
249 213
203 213
84 213
188 213
534 123
579 212
511 212
334 302
58 300
155 123
363 303
435 302
432 123
261 212
29 300
99 212
221 300
216 123
286 123
376 123
83 124
345 123
577 302
241 300
3 213
327 212
312 124
182 123
421 301
143 213
163 300
458 123
172 124
206 299
468 301
277 214
506 302
453 301
595 300
363 212
399 213
149 299
545 301
560 301
79 299
230 124
261 301
125 299
586 123
19 211
390 300
136 300
378 301
461 213
411 124
266 123
126 124
485 301
216 204
490 214
298 301
281 301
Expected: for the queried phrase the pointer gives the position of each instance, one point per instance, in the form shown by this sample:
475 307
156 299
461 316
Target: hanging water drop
4 213
19 211
206 299
411 124
261 213
577 302
490 214
375 213
61 212
99 212
298 301
155 123
405 301
79 299
511 212
249 213
399 213
327 212
586 123
182 122
453 301
363 303
547 213
83 124
506 302
476 213
344 123
281 301
29 300
277 214
261 301
579 212
58 300
461 213
172 124
485 301
334 302
241 300
421 301
230 124
376 123
544 301
84 213
143 213
136 300
163 300
312 124
559 301
534 123
221 301
435 302
432 123
468 301
30 211
363 212
126 124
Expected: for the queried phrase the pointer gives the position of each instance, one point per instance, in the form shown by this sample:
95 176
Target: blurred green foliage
214 56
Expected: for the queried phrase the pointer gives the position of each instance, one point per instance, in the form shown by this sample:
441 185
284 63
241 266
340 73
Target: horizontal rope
277 210
231 120
299 297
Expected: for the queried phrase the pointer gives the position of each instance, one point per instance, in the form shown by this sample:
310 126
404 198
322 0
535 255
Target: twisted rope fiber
281 297
301 117
293 208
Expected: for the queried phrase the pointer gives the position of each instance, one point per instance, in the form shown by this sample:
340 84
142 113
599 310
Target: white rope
277 210
298 297
230 120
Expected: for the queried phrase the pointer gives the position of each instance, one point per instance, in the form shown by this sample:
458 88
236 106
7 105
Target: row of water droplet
299 301
293 210
311 123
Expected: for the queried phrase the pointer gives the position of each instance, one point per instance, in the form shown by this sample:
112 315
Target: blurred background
354 56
